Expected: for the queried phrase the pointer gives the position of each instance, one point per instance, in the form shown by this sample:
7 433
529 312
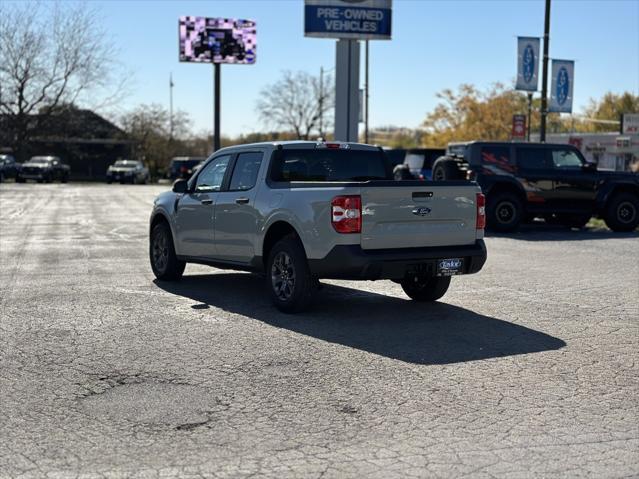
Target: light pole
544 78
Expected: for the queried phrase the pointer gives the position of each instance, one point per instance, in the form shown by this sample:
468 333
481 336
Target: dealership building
610 151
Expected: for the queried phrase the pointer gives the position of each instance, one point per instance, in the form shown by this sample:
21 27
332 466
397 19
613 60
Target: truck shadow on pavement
436 333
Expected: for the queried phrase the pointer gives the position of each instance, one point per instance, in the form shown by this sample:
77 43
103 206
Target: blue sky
435 45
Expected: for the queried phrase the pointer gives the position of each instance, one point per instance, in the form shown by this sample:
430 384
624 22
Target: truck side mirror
180 186
588 166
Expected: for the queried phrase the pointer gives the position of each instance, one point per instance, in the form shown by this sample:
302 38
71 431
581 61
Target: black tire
425 289
164 262
1 177
504 212
622 212
48 179
445 169
65 179
288 276
402 174
19 179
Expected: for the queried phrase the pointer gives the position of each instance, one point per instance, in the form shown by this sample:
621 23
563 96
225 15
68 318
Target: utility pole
530 96
321 103
171 105
366 99
544 78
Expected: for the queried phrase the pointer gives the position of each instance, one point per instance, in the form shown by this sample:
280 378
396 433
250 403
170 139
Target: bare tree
299 102
149 127
51 55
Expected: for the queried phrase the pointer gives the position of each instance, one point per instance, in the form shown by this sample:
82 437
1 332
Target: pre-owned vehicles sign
355 19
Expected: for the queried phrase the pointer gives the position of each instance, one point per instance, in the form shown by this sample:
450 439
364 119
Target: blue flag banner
563 80
353 19
527 63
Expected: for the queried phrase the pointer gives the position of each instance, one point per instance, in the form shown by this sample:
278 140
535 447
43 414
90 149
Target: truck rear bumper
353 262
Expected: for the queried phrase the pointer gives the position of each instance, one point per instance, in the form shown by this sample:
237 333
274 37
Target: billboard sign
217 40
630 124
519 127
527 63
354 19
563 76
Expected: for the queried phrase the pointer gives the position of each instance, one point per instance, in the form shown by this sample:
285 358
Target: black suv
523 181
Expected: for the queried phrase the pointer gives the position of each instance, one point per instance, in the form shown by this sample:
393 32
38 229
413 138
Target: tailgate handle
422 194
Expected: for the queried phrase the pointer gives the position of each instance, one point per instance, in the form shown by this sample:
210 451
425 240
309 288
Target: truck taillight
481 211
346 214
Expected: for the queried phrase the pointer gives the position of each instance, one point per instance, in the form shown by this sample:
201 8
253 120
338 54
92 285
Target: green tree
610 107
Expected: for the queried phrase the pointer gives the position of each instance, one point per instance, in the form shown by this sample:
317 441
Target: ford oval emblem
421 211
529 63
563 85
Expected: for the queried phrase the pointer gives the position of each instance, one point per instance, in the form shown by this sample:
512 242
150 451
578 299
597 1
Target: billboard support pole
216 106
529 113
544 77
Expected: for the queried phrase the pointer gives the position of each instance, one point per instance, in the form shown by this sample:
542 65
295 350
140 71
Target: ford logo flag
527 63
562 86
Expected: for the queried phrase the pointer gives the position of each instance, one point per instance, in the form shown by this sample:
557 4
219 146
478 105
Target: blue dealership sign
563 72
527 63
354 19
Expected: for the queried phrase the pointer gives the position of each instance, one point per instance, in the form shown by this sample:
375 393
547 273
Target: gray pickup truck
301 211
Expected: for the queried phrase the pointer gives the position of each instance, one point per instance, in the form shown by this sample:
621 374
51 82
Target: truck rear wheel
622 212
504 212
446 169
425 289
288 276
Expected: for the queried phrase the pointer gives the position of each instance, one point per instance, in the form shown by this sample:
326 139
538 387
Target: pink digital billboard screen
217 40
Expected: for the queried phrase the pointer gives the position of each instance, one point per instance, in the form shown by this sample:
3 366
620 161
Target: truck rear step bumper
353 262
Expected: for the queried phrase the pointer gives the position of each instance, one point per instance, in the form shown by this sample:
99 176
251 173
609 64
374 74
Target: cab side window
566 159
532 158
245 172
212 175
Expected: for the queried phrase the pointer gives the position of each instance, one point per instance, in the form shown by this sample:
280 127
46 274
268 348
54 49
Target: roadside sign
630 124
527 63
519 127
563 78
351 19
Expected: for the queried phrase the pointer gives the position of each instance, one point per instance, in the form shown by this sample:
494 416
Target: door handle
242 201
206 202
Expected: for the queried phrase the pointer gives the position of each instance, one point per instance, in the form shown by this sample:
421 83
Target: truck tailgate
405 216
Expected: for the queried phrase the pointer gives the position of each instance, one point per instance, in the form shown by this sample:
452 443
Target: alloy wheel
283 276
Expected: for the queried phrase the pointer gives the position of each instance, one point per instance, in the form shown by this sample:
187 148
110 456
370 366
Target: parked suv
128 171
181 167
8 167
526 180
43 169
300 211
418 164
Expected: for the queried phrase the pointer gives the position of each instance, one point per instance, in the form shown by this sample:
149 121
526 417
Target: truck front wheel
425 289
164 262
288 277
622 212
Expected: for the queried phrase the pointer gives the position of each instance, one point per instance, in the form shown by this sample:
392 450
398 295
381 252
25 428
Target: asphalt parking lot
528 369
